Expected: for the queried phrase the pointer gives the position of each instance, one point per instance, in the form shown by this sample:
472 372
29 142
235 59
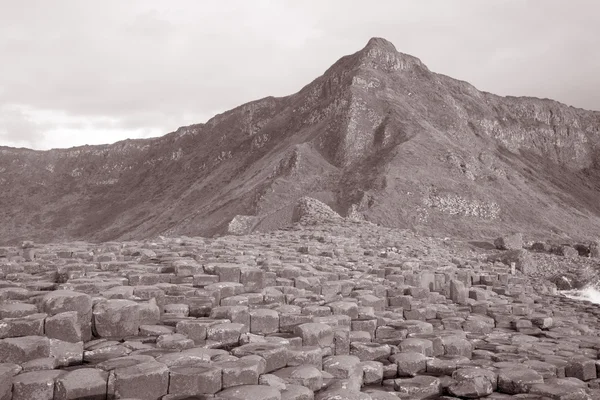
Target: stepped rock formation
378 136
338 310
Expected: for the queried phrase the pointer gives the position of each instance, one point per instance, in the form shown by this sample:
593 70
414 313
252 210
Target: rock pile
331 311
313 211
242 225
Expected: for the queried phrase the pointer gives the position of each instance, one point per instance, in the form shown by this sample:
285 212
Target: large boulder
84 383
509 242
147 380
118 318
541 247
516 381
473 383
567 281
565 250
23 349
35 385
7 372
63 326
583 249
61 301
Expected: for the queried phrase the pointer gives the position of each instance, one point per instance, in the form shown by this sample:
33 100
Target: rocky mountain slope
377 136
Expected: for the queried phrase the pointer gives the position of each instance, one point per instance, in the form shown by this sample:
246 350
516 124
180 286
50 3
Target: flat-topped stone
115 318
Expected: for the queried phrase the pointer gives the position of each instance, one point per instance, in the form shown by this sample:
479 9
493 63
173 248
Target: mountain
378 135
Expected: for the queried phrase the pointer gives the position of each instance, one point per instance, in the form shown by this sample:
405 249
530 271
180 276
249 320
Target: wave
590 293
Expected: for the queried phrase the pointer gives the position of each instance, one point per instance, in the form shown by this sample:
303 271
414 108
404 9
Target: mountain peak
382 44
381 54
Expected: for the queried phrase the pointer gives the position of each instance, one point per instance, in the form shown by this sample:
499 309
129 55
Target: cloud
152 66
18 129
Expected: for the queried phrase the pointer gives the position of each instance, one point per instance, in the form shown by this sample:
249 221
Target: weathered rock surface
312 211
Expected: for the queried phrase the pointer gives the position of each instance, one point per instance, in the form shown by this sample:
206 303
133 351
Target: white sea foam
589 293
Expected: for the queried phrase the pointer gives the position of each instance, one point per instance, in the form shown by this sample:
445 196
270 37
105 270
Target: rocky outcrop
312 211
242 225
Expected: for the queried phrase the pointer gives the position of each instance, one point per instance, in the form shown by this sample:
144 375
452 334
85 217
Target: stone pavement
336 311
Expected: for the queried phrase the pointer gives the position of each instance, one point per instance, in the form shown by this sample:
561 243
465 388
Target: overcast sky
88 72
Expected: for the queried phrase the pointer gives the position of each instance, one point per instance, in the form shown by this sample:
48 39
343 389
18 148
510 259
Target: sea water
589 293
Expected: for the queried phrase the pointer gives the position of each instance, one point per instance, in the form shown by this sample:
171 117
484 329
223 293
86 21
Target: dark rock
567 281
565 251
509 242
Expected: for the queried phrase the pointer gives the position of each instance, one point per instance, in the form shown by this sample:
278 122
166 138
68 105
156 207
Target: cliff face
378 135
